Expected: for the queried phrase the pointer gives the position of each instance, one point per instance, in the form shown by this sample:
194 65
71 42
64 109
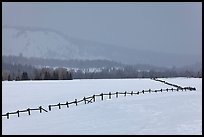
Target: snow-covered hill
37 43
48 43
149 113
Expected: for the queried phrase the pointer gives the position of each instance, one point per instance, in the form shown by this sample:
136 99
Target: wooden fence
174 85
109 95
92 98
26 110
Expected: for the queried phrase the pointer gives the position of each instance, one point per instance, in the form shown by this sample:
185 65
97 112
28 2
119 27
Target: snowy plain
177 113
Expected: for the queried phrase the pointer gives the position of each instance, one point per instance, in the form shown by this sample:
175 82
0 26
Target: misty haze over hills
51 44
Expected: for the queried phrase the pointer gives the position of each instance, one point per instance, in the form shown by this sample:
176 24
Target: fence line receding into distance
92 98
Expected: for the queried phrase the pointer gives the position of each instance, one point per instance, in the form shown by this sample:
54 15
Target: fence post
67 104
18 113
143 91
59 106
84 100
76 101
125 93
116 94
93 98
7 114
172 89
167 89
40 109
101 96
28 111
131 93
161 89
109 95
149 90
49 107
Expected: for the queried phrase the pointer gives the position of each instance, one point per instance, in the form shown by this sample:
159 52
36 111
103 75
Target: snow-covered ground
149 113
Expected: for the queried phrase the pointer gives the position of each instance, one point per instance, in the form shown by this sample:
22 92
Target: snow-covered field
149 113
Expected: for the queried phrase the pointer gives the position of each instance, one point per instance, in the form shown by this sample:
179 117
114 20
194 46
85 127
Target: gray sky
169 27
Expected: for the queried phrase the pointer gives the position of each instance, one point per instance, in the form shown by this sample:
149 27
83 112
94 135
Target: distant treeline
27 72
131 72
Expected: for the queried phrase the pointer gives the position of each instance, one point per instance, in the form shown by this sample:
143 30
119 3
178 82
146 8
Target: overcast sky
169 27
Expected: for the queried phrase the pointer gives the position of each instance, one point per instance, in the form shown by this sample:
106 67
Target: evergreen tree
47 76
9 77
70 76
24 76
55 75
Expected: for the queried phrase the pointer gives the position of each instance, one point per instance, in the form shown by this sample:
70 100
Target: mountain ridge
50 43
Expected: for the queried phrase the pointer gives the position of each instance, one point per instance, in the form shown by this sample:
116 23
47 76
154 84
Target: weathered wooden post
116 94
84 100
40 109
76 101
18 113
28 111
67 104
7 114
93 98
59 106
49 107
101 96
109 95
